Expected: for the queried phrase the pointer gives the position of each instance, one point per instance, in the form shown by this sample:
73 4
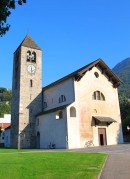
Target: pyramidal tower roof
29 42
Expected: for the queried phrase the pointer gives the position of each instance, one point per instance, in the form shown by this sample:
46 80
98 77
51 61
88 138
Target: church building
82 106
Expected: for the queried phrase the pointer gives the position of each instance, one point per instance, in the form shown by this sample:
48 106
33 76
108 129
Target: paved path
117 167
112 149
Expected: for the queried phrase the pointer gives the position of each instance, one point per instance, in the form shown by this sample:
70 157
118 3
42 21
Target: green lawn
49 165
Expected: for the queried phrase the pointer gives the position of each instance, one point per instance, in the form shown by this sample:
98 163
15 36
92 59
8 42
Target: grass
49 165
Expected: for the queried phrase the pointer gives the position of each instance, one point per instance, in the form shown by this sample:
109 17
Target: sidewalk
117 167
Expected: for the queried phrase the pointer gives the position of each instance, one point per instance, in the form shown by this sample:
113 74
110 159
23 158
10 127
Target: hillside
122 69
5 101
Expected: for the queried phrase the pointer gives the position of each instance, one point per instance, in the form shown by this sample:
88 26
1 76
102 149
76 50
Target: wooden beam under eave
115 85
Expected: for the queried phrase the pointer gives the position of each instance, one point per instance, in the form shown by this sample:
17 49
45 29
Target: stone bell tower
26 93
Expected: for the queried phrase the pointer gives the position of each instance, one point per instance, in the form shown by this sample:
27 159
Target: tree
5 101
5 10
5 108
124 105
125 112
7 96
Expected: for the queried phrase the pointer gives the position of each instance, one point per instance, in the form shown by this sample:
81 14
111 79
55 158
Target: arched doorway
38 140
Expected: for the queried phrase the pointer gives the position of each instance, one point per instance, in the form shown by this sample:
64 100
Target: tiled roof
8 127
52 110
29 42
4 125
78 74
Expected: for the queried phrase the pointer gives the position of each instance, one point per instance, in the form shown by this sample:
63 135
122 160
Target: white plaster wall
52 130
7 138
52 94
87 107
73 129
6 118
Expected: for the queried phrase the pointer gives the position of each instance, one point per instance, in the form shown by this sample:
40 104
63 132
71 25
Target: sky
71 34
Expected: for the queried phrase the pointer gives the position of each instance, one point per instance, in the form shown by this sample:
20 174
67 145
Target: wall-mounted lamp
128 128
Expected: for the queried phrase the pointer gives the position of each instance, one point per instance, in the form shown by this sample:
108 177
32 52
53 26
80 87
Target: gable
29 42
78 74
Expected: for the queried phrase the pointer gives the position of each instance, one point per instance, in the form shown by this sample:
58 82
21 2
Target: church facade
82 106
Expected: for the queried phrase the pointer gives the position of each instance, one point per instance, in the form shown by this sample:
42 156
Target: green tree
5 10
5 108
125 112
7 96
5 101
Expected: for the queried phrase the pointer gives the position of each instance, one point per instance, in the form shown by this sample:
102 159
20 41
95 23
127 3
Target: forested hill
123 64
5 101
122 70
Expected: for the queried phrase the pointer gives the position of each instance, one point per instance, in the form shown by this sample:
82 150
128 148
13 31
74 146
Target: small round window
96 74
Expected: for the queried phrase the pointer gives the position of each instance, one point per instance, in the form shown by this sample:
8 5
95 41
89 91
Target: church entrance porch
102 131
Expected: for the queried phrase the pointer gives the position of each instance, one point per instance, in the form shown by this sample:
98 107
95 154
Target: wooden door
102 136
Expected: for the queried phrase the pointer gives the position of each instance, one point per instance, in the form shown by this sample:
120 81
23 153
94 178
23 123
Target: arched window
94 95
33 57
37 121
28 56
102 97
62 98
59 114
44 104
38 133
72 112
31 83
96 74
97 95
38 140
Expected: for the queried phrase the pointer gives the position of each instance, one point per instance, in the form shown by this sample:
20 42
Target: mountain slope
122 70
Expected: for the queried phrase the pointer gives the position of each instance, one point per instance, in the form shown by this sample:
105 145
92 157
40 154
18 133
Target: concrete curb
102 167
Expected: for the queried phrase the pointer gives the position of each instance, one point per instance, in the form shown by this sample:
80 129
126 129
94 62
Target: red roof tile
4 125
